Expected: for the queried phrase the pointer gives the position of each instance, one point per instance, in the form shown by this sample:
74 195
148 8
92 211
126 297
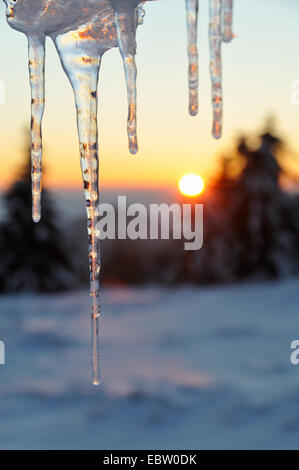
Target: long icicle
36 54
192 22
125 27
227 20
215 36
83 73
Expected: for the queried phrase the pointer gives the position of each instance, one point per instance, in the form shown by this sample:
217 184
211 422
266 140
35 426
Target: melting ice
220 30
82 31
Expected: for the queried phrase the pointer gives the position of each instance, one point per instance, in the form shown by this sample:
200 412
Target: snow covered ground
204 368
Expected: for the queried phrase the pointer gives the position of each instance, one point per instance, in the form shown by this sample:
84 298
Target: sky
259 67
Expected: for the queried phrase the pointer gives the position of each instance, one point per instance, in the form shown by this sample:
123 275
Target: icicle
140 13
192 20
215 36
126 28
36 52
85 90
83 31
227 19
83 72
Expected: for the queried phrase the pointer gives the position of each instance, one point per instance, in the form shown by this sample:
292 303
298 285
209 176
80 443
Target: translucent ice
36 53
215 34
220 30
82 30
227 19
192 18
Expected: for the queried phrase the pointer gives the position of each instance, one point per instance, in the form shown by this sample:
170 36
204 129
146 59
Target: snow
202 368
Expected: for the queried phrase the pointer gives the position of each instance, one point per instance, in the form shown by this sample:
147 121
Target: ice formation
82 31
220 30
192 20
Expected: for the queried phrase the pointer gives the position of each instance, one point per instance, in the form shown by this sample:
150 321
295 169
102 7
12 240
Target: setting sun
191 185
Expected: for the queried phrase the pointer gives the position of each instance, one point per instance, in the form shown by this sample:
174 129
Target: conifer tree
33 257
264 216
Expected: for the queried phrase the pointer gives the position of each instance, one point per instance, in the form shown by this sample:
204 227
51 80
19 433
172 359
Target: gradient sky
259 67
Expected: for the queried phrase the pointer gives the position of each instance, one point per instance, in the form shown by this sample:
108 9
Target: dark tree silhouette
33 257
251 225
264 217
251 231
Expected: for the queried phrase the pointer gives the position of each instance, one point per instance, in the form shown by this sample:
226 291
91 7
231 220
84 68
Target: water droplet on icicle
36 52
192 21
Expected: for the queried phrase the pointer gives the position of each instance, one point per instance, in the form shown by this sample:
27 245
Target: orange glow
191 185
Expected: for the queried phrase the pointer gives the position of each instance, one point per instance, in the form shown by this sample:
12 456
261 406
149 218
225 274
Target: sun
191 185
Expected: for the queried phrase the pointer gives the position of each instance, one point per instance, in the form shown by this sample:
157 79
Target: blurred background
195 345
